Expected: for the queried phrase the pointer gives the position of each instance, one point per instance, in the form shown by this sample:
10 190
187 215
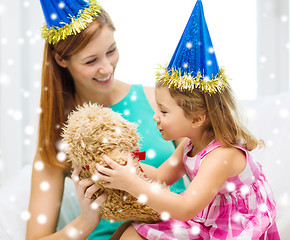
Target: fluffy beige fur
91 132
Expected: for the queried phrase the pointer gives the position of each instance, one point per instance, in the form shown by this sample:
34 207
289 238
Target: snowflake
53 16
151 153
72 232
210 50
272 76
95 177
251 113
26 4
142 198
105 140
4 79
206 79
127 112
189 45
75 178
94 206
44 186
2 9
195 230
29 130
276 131
25 215
209 62
285 199
165 216
133 170
284 18
61 156
155 187
26 94
12 199
173 162
20 41
26 142
237 217
245 189
17 115
133 97
263 59
10 62
185 65
61 5
38 165
284 113
231 186
118 131
270 143
263 207
61 146
41 219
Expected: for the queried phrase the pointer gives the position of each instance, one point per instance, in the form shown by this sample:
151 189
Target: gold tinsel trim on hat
85 16
174 78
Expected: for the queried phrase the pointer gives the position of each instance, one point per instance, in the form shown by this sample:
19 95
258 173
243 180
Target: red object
86 167
139 155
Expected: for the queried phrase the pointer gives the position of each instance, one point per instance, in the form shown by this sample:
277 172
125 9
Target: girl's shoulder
233 158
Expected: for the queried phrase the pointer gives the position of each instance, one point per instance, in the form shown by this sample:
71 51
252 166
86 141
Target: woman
79 68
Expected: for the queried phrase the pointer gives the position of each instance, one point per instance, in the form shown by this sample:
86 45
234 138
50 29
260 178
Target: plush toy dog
92 131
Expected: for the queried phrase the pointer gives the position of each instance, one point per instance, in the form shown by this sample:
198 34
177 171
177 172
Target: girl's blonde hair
58 90
223 121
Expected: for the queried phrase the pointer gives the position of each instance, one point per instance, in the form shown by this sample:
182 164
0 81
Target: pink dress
244 208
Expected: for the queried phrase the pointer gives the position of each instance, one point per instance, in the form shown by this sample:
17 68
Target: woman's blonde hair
223 120
58 90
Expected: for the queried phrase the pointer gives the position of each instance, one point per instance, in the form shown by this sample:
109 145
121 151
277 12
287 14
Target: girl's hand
117 176
85 189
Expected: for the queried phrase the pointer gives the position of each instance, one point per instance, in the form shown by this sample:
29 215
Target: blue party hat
194 64
66 17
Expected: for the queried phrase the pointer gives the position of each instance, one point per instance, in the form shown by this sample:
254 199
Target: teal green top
136 108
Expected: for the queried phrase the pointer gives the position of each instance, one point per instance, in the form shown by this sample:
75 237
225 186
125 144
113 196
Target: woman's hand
117 176
85 189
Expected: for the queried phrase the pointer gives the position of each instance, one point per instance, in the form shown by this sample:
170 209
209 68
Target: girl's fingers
110 162
103 178
104 170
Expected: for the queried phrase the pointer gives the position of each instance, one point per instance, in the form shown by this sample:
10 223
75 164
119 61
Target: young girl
79 61
228 196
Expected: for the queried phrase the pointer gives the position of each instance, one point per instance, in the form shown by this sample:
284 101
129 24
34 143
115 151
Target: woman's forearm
78 229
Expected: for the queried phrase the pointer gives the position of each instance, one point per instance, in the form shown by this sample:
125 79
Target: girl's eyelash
111 51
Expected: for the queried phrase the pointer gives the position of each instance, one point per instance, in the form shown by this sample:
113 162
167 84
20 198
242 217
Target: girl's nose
155 117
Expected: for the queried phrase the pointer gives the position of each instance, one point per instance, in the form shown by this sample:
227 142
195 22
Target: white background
147 34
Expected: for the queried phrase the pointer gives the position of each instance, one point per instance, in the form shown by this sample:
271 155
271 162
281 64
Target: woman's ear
198 120
60 61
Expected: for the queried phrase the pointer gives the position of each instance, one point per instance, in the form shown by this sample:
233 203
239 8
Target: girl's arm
45 205
171 170
215 169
